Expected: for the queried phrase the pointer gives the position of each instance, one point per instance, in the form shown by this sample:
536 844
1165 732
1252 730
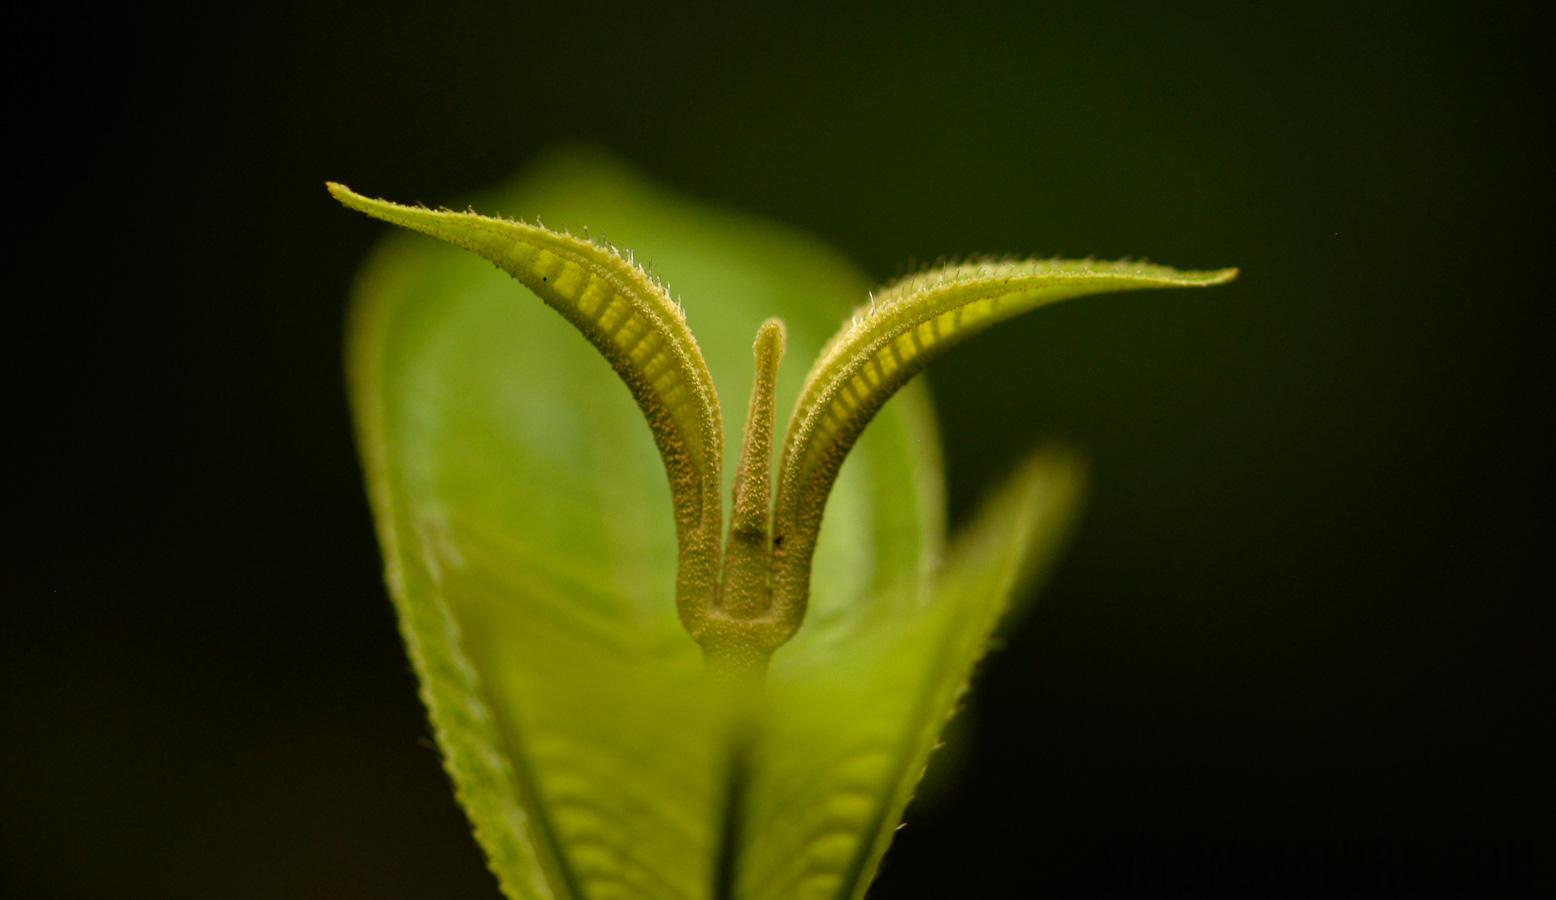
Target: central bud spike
743 593
739 634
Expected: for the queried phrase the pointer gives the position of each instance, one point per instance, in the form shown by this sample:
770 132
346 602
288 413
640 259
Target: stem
738 662
738 634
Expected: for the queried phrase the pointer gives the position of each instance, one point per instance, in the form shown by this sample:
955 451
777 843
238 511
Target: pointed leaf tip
349 198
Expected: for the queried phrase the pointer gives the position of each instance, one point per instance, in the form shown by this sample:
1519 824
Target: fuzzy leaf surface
887 343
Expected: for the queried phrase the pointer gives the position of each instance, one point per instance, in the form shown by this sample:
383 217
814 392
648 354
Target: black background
1304 629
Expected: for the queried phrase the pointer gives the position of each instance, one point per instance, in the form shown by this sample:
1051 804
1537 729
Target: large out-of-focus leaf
851 723
528 533
529 539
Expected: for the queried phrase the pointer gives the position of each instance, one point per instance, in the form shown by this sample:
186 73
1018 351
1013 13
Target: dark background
1304 629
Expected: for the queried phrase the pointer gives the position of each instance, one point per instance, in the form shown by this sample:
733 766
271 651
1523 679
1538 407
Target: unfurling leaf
640 331
903 330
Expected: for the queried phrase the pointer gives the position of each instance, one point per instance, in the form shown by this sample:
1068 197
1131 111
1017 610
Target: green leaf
530 540
885 345
527 527
852 722
630 319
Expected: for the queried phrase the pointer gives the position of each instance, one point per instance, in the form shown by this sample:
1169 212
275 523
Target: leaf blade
484 782
904 329
866 726
626 315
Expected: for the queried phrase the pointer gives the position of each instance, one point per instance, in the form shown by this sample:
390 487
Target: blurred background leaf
1309 597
